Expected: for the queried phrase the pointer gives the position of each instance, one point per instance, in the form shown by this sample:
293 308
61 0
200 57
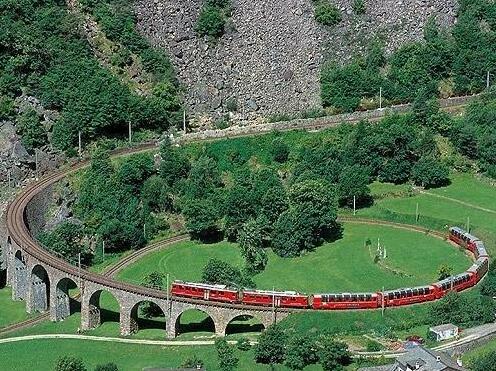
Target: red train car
205 292
459 282
284 299
463 238
406 296
480 250
346 301
479 268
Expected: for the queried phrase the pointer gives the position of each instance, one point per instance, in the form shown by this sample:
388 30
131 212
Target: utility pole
80 145
130 132
167 293
79 268
184 121
383 306
354 205
36 164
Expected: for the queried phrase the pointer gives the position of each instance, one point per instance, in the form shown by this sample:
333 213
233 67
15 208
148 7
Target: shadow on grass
3 278
205 325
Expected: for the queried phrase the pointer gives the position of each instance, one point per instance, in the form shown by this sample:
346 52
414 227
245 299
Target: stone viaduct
49 284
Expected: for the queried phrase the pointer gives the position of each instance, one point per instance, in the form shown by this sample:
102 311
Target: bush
211 22
279 150
327 14
32 131
70 364
359 6
373 346
107 367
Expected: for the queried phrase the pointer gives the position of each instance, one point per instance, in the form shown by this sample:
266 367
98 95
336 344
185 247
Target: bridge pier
19 278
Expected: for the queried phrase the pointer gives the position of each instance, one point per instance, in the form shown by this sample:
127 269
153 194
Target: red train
337 301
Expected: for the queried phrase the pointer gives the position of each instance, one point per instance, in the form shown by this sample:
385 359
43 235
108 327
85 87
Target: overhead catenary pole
417 213
130 132
79 268
80 151
184 121
468 223
9 175
36 164
103 249
383 306
380 97
168 290
354 205
488 80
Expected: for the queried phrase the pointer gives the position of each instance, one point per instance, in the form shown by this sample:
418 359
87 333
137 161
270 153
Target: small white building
444 332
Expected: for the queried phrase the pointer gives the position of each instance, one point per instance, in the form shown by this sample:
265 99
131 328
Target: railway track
20 234
110 271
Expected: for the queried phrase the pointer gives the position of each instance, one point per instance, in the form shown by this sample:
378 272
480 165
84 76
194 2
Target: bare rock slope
270 58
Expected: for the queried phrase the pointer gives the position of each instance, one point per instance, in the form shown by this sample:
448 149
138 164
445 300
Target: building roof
427 360
424 359
442 328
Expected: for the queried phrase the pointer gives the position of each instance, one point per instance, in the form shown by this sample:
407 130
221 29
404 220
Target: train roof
471 236
271 292
408 288
457 229
477 264
203 285
452 278
345 293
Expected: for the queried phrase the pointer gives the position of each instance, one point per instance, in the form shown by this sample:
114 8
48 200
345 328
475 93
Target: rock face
270 58
16 163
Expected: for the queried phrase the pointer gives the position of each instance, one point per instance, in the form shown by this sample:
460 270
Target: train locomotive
346 301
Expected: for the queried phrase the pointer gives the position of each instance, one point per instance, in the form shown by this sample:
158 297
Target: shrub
373 346
430 172
279 150
359 6
327 14
32 131
211 22
70 364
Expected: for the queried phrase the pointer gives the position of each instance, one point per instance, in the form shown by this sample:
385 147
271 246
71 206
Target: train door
206 294
277 301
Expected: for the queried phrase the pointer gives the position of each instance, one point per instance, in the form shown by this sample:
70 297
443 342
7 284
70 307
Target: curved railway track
21 235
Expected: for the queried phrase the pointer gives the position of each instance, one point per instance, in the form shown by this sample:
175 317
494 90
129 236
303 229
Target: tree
67 240
333 354
250 243
173 166
202 217
353 183
271 346
430 172
107 367
311 217
243 344
204 177
444 271
225 353
31 129
301 351
488 287
220 272
68 363
484 362
279 150
156 194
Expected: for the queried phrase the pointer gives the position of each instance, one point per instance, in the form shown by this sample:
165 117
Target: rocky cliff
270 58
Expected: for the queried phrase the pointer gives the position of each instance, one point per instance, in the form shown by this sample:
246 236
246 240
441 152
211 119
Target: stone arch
194 320
93 315
146 314
243 323
63 305
19 277
39 290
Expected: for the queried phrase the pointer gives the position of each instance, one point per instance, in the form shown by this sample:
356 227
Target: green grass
437 213
343 265
128 357
11 311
